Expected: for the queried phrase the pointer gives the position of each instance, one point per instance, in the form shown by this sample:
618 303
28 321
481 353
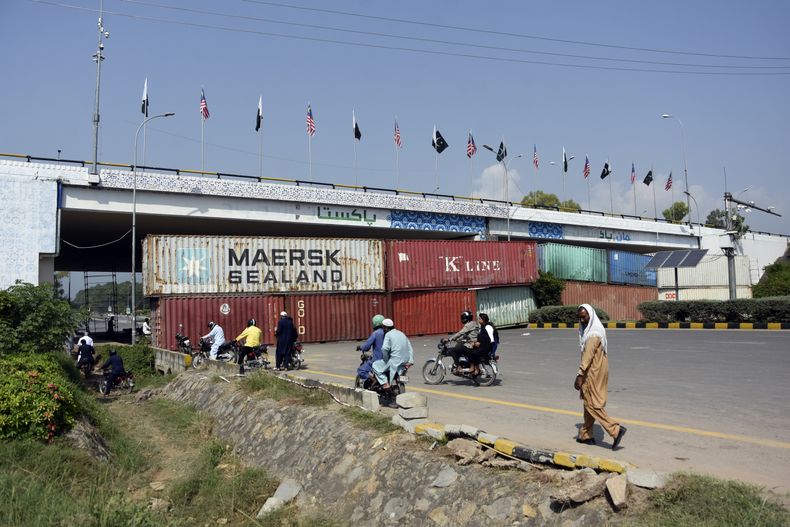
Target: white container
174 265
711 272
705 293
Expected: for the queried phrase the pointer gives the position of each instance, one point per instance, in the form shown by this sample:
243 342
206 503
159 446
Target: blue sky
734 121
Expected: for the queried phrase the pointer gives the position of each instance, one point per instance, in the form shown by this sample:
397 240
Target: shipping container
710 272
506 306
629 268
230 312
619 301
225 264
431 312
570 262
437 264
704 293
332 317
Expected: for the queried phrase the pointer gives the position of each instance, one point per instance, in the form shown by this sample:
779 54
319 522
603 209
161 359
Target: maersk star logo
193 266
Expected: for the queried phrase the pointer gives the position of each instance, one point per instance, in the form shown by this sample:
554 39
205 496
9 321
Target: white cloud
491 183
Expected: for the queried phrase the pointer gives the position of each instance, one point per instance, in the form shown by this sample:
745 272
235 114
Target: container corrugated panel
506 306
332 317
710 272
629 268
192 265
619 301
436 264
705 293
230 312
573 263
431 312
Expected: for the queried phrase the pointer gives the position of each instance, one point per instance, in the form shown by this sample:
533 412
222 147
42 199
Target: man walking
592 379
286 336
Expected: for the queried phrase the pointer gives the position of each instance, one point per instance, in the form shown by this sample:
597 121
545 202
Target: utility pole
98 57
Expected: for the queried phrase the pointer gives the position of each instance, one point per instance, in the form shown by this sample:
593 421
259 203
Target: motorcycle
435 370
125 381
183 344
297 359
397 387
227 352
257 358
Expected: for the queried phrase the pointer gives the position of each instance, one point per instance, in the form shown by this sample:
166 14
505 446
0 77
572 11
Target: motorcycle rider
464 340
85 355
484 343
286 336
250 339
115 362
396 353
375 340
217 336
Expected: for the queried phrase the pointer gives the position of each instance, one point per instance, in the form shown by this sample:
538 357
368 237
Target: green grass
369 420
177 419
701 501
272 387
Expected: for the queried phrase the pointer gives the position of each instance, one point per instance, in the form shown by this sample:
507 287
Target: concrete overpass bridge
60 217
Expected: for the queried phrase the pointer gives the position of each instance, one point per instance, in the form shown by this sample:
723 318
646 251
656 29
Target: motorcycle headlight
186 342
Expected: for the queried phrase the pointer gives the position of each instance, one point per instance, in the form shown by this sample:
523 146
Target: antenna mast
98 58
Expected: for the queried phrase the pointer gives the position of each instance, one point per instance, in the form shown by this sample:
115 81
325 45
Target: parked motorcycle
183 344
227 352
397 387
297 356
257 358
435 370
124 381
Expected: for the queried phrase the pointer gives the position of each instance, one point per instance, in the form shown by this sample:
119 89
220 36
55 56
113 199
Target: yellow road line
647 424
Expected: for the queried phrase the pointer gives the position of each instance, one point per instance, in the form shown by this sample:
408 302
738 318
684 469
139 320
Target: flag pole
633 184
436 169
202 145
673 198
611 199
310 155
397 168
471 171
589 201
356 177
145 127
260 154
655 207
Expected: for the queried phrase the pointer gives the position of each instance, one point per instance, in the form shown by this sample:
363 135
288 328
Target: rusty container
196 265
438 264
333 317
431 312
619 301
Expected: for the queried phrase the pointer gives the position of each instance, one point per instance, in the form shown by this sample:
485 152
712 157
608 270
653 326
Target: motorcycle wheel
401 388
358 382
433 372
197 361
103 386
129 386
488 376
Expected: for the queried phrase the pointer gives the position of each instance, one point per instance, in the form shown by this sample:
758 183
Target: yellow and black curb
670 325
514 450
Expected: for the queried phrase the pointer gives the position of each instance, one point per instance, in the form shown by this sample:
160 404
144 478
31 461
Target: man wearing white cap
286 336
397 352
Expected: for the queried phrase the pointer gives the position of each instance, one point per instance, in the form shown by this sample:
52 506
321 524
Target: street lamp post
506 166
685 167
697 207
134 224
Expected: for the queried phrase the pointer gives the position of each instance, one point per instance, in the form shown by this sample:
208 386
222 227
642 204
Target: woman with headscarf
592 379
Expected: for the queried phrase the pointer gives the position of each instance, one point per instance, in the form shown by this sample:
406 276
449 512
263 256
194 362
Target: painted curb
669 325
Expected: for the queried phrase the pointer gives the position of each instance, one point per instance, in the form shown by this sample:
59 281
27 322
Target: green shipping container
506 306
573 263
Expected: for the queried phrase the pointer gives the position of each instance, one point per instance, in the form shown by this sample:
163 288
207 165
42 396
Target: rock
528 511
419 412
545 509
411 400
396 508
422 504
501 463
488 454
439 516
159 505
370 401
646 478
222 521
446 477
579 492
407 424
157 485
469 431
271 505
84 436
588 471
500 509
147 393
618 490
465 449
287 490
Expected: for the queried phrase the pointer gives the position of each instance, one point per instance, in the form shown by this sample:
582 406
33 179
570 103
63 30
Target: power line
439 41
507 34
411 50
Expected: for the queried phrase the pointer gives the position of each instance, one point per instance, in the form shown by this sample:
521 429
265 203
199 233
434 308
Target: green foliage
36 398
570 205
270 386
548 289
676 212
562 314
691 499
775 309
716 218
538 198
32 319
138 358
369 420
774 282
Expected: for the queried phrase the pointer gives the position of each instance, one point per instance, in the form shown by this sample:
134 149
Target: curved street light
134 223
507 186
688 194
685 168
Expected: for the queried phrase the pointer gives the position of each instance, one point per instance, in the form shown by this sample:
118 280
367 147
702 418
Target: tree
717 218
676 212
548 289
99 297
538 198
775 280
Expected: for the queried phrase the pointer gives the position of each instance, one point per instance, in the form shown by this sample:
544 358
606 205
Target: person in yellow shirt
250 339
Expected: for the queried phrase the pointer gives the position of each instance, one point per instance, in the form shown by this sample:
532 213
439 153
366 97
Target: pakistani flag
502 152
259 115
144 107
438 141
357 133
605 172
564 161
648 178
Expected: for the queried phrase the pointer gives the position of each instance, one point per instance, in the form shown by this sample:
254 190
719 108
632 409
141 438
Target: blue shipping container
629 268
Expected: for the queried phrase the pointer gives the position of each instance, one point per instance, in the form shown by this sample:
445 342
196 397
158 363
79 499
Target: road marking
647 424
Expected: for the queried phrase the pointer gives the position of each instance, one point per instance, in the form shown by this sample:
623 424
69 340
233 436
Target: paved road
711 401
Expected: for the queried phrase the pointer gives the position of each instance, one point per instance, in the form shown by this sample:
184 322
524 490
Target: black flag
648 178
357 133
564 161
259 114
502 152
605 172
438 141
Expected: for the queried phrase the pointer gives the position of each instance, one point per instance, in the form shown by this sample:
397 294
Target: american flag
397 134
203 105
471 148
586 167
633 174
669 182
310 121
535 156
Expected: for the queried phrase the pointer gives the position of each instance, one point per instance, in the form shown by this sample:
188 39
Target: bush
762 310
138 358
36 398
562 314
548 289
33 319
774 282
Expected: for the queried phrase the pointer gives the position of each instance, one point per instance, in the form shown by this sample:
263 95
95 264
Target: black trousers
283 356
245 350
458 350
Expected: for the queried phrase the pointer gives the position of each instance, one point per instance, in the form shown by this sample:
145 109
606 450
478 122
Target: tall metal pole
134 225
98 57
685 166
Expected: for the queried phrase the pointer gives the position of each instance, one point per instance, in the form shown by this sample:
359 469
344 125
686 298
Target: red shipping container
333 317
230 312
431 312
619 301
431 264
